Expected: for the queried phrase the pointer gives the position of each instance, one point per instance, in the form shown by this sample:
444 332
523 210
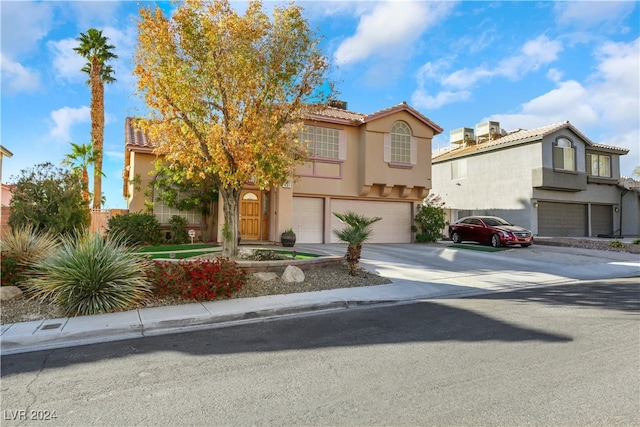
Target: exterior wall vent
488 130
461 136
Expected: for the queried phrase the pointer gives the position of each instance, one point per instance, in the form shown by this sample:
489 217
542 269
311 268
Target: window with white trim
163 213
599 165
459 169
400 147
323 142
564 155
400 143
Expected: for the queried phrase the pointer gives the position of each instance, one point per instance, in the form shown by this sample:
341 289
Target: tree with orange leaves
227 93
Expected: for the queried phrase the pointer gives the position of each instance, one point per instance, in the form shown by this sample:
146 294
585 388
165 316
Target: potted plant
288 238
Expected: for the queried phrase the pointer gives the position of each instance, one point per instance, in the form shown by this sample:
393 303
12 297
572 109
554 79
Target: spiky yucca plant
92 274
21 248
357 231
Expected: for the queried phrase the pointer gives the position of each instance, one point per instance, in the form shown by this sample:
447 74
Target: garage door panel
308 219
394 227
601 220
562 219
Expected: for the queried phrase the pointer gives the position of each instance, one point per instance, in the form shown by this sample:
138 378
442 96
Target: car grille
522 234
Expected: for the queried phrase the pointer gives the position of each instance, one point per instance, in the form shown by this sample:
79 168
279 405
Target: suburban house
552 179
6 196
375 164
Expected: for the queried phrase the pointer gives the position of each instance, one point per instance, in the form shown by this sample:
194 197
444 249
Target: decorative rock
293 274
265 276
9 292
244 253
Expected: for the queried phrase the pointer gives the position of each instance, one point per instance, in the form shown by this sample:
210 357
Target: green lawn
479 248
173 248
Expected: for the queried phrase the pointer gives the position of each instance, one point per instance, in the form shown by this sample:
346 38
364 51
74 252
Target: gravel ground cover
333 276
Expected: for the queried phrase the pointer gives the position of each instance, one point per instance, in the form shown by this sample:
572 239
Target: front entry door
250 215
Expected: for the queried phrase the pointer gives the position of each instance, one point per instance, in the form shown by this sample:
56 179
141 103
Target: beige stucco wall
364 174
142 166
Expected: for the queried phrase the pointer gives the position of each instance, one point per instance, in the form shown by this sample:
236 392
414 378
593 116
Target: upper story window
459 169
599 165
400 143
564 155
399 146
323 142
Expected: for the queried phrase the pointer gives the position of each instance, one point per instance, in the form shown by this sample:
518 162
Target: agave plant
21 248
91 274
357 231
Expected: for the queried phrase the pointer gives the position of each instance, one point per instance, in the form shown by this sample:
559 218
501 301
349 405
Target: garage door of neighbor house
308 219
601 220
394 227
562 219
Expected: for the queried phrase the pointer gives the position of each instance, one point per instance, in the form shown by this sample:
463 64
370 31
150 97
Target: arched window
564 155
400 143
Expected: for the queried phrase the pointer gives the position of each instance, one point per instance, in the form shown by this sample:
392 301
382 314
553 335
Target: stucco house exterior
553 180
375 164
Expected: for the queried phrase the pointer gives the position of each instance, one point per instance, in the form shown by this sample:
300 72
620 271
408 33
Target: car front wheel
495 241
455 237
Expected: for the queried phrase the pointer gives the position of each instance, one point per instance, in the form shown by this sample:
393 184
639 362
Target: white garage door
394 227
308 214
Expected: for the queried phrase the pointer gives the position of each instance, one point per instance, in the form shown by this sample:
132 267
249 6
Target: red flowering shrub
201 280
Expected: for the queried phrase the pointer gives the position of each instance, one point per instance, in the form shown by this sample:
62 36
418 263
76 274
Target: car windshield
495 221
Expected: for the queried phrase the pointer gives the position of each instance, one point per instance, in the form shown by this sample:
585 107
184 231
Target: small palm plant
91 274
21 248
357 232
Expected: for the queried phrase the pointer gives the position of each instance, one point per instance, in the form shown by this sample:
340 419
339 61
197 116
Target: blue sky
523 64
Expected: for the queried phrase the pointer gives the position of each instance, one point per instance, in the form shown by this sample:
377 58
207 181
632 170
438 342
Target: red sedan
489 229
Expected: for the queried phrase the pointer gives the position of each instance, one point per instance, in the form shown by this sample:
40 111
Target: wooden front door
250 215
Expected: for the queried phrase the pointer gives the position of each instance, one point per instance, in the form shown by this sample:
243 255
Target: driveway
452 271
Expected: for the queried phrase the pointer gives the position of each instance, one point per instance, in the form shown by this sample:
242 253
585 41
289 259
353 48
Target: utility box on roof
487 129
461 135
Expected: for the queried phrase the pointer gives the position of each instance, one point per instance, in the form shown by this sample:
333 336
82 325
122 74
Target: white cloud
426 101
23 25
65 118
592 13
533 55
16 77
66 61
616 87
390 29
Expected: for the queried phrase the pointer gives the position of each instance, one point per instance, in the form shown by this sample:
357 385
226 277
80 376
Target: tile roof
134 138
137 140
522 136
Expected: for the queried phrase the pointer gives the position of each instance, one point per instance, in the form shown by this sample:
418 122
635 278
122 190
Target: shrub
636 242
49 198
137 228
201 280
430 218
21 248
178 229
616 244
91 274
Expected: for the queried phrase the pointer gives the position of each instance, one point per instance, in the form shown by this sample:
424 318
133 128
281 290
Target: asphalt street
558 355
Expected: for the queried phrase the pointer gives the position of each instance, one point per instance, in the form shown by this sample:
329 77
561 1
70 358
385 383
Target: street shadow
612 294
410 323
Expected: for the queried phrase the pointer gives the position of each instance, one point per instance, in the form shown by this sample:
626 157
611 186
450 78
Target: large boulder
293 274
9 292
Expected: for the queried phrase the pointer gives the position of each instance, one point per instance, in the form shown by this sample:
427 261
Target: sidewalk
406 287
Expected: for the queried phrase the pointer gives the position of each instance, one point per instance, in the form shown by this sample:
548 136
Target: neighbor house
552 179
374 164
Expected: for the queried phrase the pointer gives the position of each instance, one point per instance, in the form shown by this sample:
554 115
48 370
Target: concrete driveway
452 271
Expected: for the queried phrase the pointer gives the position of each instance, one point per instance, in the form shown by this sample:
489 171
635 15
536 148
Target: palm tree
80 158
357 232
94 47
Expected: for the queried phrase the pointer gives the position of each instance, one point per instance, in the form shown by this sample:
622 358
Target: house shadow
420 322
613 294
